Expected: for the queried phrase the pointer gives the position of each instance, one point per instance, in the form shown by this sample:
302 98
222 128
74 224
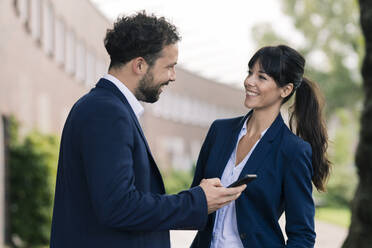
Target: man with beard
109 191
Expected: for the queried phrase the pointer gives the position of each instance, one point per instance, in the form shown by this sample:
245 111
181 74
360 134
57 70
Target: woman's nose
249 81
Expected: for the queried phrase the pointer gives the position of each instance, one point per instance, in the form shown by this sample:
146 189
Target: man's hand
217 195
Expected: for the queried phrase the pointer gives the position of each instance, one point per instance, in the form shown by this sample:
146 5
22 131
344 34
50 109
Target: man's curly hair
139 35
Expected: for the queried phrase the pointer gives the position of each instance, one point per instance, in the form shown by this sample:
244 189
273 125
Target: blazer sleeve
106 148
299 204
203 156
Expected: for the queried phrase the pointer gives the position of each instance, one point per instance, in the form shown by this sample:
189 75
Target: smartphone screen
244 180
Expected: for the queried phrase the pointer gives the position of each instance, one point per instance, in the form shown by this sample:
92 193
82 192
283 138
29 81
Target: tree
361 223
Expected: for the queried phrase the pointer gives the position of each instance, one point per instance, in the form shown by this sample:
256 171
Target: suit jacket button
243 235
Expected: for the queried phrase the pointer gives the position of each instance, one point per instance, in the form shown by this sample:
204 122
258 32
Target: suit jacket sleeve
106 148
299 204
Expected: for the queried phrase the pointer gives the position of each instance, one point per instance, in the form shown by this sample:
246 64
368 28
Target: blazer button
243 235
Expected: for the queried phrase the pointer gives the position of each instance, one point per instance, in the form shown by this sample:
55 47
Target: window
80 61
174 107
70 52
22 6
59 41
43 112
100 69
35 19
48 26
91 64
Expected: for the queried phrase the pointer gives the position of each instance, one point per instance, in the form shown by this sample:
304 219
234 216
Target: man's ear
287 90
139 66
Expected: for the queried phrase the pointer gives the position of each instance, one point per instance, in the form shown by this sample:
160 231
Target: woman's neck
260 120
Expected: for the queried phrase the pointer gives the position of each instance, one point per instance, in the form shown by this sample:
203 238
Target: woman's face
261 90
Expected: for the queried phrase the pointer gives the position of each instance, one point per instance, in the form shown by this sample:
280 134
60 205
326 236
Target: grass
334 215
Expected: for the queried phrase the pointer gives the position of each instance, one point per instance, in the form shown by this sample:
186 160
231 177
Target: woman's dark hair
285 65
139 35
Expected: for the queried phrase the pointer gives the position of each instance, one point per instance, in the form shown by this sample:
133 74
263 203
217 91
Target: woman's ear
287 90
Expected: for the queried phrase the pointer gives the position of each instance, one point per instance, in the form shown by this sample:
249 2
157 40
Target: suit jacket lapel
106 84
228 146
263 148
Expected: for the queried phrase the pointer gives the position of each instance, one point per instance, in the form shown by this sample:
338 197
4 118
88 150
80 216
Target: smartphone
244 180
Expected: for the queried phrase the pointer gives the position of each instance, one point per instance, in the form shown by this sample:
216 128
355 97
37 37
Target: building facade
52 53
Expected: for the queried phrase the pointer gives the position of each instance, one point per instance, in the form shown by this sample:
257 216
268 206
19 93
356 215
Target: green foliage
337 216
343 180
176 181
32 170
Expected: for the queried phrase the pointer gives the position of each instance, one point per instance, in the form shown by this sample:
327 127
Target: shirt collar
244 128
133 102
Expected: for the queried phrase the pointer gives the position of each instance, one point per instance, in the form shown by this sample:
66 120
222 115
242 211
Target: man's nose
172 76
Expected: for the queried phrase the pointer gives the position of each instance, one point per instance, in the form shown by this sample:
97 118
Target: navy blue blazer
109 191
282 162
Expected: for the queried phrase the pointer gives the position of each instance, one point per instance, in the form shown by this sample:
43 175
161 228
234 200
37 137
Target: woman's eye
262 77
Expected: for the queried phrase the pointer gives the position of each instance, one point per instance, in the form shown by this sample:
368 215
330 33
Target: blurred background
52 53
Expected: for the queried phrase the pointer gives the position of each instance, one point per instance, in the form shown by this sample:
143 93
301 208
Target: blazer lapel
263 148
106 84
228 146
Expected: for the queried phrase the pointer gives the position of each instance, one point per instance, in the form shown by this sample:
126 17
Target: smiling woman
260 143
262 90
284 67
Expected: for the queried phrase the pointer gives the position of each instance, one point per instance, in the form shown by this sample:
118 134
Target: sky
216 35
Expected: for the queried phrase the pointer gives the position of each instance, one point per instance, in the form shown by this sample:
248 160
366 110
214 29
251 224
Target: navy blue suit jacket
282 162
109 191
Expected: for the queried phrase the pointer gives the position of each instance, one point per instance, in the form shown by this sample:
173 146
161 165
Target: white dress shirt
225 230
133 102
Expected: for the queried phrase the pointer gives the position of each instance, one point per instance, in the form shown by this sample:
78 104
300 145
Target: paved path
328 236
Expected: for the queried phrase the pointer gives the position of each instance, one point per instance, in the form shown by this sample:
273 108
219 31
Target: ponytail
285 65
306 115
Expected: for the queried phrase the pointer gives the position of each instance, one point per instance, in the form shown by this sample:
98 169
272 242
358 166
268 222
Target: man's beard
147 90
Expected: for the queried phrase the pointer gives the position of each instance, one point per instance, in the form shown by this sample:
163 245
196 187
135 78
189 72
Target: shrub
177 180
32 168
